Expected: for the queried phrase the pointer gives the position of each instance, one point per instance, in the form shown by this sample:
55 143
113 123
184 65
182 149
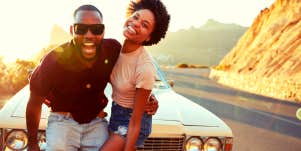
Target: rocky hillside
57 36
266 59
205 45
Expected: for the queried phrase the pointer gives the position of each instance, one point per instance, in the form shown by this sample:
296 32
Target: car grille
163 144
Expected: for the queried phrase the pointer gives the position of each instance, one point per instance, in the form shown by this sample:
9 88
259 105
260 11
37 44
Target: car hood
172 108
12 114
175 107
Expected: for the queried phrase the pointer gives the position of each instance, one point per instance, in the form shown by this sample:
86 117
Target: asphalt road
259 123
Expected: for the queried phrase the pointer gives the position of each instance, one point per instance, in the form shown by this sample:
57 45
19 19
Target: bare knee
115 142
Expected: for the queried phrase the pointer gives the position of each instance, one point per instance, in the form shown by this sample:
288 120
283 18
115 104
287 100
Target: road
258 123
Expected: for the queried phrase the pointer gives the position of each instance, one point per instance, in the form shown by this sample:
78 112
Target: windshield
161 82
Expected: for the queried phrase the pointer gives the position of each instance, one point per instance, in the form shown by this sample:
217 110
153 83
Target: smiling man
73 78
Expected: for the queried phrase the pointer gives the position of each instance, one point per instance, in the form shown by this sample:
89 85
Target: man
73 77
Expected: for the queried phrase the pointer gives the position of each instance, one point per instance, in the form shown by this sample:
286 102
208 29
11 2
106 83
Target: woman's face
139 26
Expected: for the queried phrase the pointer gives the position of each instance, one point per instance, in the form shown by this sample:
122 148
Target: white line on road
277 117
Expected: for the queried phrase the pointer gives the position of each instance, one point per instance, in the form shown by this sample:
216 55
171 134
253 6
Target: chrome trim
2 140
163 144
11 131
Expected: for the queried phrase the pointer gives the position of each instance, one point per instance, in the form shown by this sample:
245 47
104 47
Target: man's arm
33 114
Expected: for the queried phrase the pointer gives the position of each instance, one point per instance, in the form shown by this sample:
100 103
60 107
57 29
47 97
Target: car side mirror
171 82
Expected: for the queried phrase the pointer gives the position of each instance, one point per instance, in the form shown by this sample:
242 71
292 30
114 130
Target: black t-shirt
69 87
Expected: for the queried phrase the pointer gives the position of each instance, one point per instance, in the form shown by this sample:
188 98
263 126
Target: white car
179 123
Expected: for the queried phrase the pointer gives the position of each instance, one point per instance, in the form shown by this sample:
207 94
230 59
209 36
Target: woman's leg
114 143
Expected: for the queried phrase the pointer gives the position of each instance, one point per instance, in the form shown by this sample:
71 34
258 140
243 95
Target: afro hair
161 18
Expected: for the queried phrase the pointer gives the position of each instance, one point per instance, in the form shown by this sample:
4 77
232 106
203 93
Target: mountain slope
266 60
205 45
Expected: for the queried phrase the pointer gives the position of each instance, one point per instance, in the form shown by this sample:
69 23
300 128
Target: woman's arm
142 96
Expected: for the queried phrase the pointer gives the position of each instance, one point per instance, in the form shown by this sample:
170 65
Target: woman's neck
129 46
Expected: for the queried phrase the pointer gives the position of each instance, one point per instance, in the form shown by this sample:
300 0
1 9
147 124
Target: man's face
87 32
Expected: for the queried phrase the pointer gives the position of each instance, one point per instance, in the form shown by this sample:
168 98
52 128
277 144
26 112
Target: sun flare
26 28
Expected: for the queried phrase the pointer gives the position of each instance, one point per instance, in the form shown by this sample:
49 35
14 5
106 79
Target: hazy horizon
28 23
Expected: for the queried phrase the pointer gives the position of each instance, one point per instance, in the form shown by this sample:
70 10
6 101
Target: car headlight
212 144
42 141
16 140
193 144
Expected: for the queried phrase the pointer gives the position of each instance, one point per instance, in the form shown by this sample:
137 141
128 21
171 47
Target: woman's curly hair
161 18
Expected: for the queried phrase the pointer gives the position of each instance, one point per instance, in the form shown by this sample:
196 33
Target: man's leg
94 135
62 133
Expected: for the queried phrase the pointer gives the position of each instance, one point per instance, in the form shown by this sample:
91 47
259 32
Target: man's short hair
87 7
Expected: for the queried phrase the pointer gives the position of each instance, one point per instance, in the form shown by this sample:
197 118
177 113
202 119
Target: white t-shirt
132 70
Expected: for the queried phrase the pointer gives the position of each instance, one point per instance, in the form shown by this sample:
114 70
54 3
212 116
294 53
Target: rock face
267 58
205 45
58 35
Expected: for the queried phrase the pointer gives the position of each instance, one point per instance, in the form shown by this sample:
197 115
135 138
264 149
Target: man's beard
79 49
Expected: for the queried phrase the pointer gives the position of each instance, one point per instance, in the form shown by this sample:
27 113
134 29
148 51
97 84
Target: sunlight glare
26 27
24 33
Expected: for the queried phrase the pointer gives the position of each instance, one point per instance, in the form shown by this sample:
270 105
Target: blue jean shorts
64 133
119 121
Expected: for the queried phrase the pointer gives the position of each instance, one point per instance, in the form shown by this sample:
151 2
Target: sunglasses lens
97 29
80 29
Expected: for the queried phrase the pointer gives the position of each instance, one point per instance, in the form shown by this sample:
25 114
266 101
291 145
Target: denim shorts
119 121
63 133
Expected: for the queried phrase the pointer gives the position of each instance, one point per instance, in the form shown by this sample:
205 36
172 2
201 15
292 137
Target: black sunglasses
81 29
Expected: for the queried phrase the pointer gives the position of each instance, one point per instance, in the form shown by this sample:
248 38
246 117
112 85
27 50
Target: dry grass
184 65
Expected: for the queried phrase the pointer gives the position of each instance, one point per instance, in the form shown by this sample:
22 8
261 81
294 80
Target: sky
26 25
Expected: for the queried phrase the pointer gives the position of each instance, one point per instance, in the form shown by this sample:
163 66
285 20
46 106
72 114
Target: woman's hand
152 105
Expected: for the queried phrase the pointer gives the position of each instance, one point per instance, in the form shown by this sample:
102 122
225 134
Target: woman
133 75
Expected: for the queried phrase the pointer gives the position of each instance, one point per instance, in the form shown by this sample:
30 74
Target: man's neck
87 63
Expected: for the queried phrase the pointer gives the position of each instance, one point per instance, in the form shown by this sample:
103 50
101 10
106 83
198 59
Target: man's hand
152 105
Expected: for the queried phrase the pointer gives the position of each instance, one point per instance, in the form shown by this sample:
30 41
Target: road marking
277 117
